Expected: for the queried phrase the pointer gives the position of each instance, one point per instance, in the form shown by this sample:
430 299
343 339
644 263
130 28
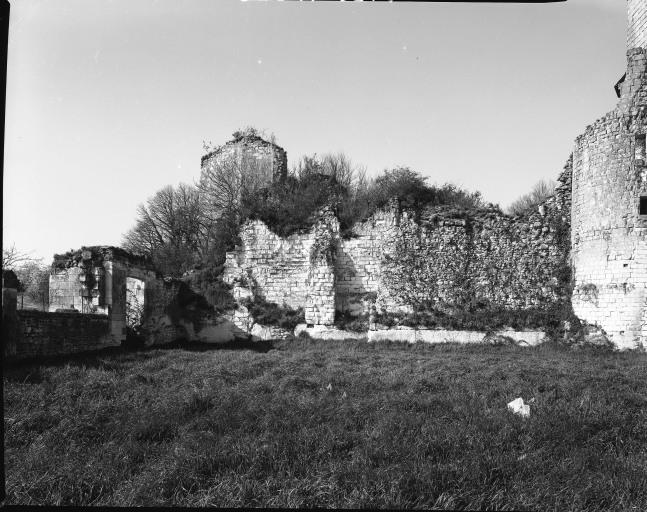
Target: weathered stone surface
263 158
322 332
295 271
42 334
522 338
609 236
268 332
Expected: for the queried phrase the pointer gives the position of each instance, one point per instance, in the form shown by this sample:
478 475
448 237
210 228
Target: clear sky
110 100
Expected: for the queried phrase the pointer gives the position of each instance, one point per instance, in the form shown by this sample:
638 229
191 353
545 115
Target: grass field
342 424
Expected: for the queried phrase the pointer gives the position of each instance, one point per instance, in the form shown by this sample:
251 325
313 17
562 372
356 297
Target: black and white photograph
325 254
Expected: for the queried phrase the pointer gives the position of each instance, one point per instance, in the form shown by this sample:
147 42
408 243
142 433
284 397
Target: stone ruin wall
517 263
94 281
269 160
609 236
42 333
358 262
90 314
292 271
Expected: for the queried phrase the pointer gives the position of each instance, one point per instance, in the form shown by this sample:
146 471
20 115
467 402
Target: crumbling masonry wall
93 281
395 260
452 256
89 305
267 160
295 271
41 333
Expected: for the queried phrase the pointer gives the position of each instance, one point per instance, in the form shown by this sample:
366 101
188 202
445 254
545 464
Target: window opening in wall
643 205
134 306
640 148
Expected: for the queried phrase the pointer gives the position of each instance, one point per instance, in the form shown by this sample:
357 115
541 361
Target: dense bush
292 205
347 322
208 283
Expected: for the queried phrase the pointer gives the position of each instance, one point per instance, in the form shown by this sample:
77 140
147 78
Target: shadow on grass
26 370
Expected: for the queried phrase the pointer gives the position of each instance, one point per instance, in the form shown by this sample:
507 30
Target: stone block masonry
609 233
260 157
294 271
44 334
637 33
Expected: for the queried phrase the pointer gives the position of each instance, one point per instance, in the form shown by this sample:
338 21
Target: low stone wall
322 332
432 336
41 333
522 338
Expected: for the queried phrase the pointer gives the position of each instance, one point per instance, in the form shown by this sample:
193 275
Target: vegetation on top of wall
208 283
292 206
193 226
98 253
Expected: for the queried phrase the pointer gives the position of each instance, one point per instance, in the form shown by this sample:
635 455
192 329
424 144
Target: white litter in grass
329 387
518 407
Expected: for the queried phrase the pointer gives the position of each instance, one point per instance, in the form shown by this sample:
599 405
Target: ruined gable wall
295 271
271 160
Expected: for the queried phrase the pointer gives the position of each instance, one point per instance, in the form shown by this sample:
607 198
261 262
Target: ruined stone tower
609 210
263 159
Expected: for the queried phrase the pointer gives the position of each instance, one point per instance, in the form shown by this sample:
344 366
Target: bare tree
225 182
34 278
12 258
541 191
342 168
224 185
171 228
